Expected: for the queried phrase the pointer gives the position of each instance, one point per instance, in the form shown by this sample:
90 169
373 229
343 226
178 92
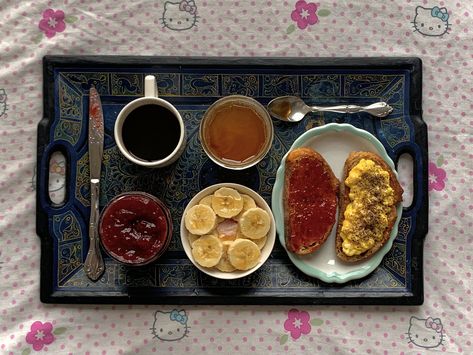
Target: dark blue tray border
413 65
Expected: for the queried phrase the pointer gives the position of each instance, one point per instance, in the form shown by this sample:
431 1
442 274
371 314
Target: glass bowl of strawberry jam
135 228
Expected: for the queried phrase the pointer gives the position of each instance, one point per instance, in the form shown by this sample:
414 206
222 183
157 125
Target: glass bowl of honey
236 132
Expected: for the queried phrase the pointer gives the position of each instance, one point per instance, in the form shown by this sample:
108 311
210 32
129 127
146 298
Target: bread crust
292 162
352 160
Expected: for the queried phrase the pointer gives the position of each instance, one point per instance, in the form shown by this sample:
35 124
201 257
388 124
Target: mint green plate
335 142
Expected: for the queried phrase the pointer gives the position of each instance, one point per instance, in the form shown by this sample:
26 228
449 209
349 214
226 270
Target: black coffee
151 132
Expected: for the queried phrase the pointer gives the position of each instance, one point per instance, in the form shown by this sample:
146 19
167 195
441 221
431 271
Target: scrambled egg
366 216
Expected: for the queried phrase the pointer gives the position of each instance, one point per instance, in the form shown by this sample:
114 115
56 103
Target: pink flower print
40 335
436 177
305 14
52 22
297 323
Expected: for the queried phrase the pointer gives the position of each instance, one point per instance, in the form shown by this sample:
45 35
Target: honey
235 133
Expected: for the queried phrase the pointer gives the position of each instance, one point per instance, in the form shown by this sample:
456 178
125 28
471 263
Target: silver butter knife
94 265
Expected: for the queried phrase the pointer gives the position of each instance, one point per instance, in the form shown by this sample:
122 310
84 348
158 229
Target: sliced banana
227 230
207 250
243 254
224 264
259 242
192 238
207 200
200 219
248 203
240 235
255 223
227 202
227 191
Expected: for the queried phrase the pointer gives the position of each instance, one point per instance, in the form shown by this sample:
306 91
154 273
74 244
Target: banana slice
248 203
255 223
207 250
227 191
227 202
243 254
224 264
200 219
240 235
207 200
259 242
192 238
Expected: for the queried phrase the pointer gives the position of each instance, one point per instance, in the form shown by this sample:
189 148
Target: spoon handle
378 109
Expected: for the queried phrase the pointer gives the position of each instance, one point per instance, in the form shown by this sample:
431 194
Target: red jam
313 201
135 228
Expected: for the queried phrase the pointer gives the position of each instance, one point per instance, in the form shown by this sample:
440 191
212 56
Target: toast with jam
310 200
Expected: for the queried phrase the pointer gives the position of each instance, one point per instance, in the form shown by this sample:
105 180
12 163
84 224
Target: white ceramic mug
150 98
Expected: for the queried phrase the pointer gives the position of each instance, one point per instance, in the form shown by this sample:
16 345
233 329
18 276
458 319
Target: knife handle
94 265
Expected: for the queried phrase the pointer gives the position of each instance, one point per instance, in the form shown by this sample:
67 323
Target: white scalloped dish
334 142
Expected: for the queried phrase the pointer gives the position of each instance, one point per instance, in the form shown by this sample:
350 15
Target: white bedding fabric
241 28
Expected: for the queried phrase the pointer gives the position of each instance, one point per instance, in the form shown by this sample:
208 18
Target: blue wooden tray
192 84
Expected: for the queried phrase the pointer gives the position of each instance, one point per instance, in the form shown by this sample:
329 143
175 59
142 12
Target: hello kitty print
3 103
170 326
180 16
426 333
431 22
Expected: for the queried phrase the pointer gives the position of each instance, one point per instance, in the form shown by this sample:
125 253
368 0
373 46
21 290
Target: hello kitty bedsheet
439 32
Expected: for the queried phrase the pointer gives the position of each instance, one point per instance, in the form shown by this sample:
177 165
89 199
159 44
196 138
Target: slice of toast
352 160
310 200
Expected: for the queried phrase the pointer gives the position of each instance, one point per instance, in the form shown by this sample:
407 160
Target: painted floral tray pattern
192 84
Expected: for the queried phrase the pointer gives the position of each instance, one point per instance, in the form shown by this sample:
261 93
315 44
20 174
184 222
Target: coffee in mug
149 131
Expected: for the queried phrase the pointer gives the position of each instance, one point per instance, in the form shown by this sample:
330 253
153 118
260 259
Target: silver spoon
293 109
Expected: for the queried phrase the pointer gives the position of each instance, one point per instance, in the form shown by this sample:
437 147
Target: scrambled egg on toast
369 194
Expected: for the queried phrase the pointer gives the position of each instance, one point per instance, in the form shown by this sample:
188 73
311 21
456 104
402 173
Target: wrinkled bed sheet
440 33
